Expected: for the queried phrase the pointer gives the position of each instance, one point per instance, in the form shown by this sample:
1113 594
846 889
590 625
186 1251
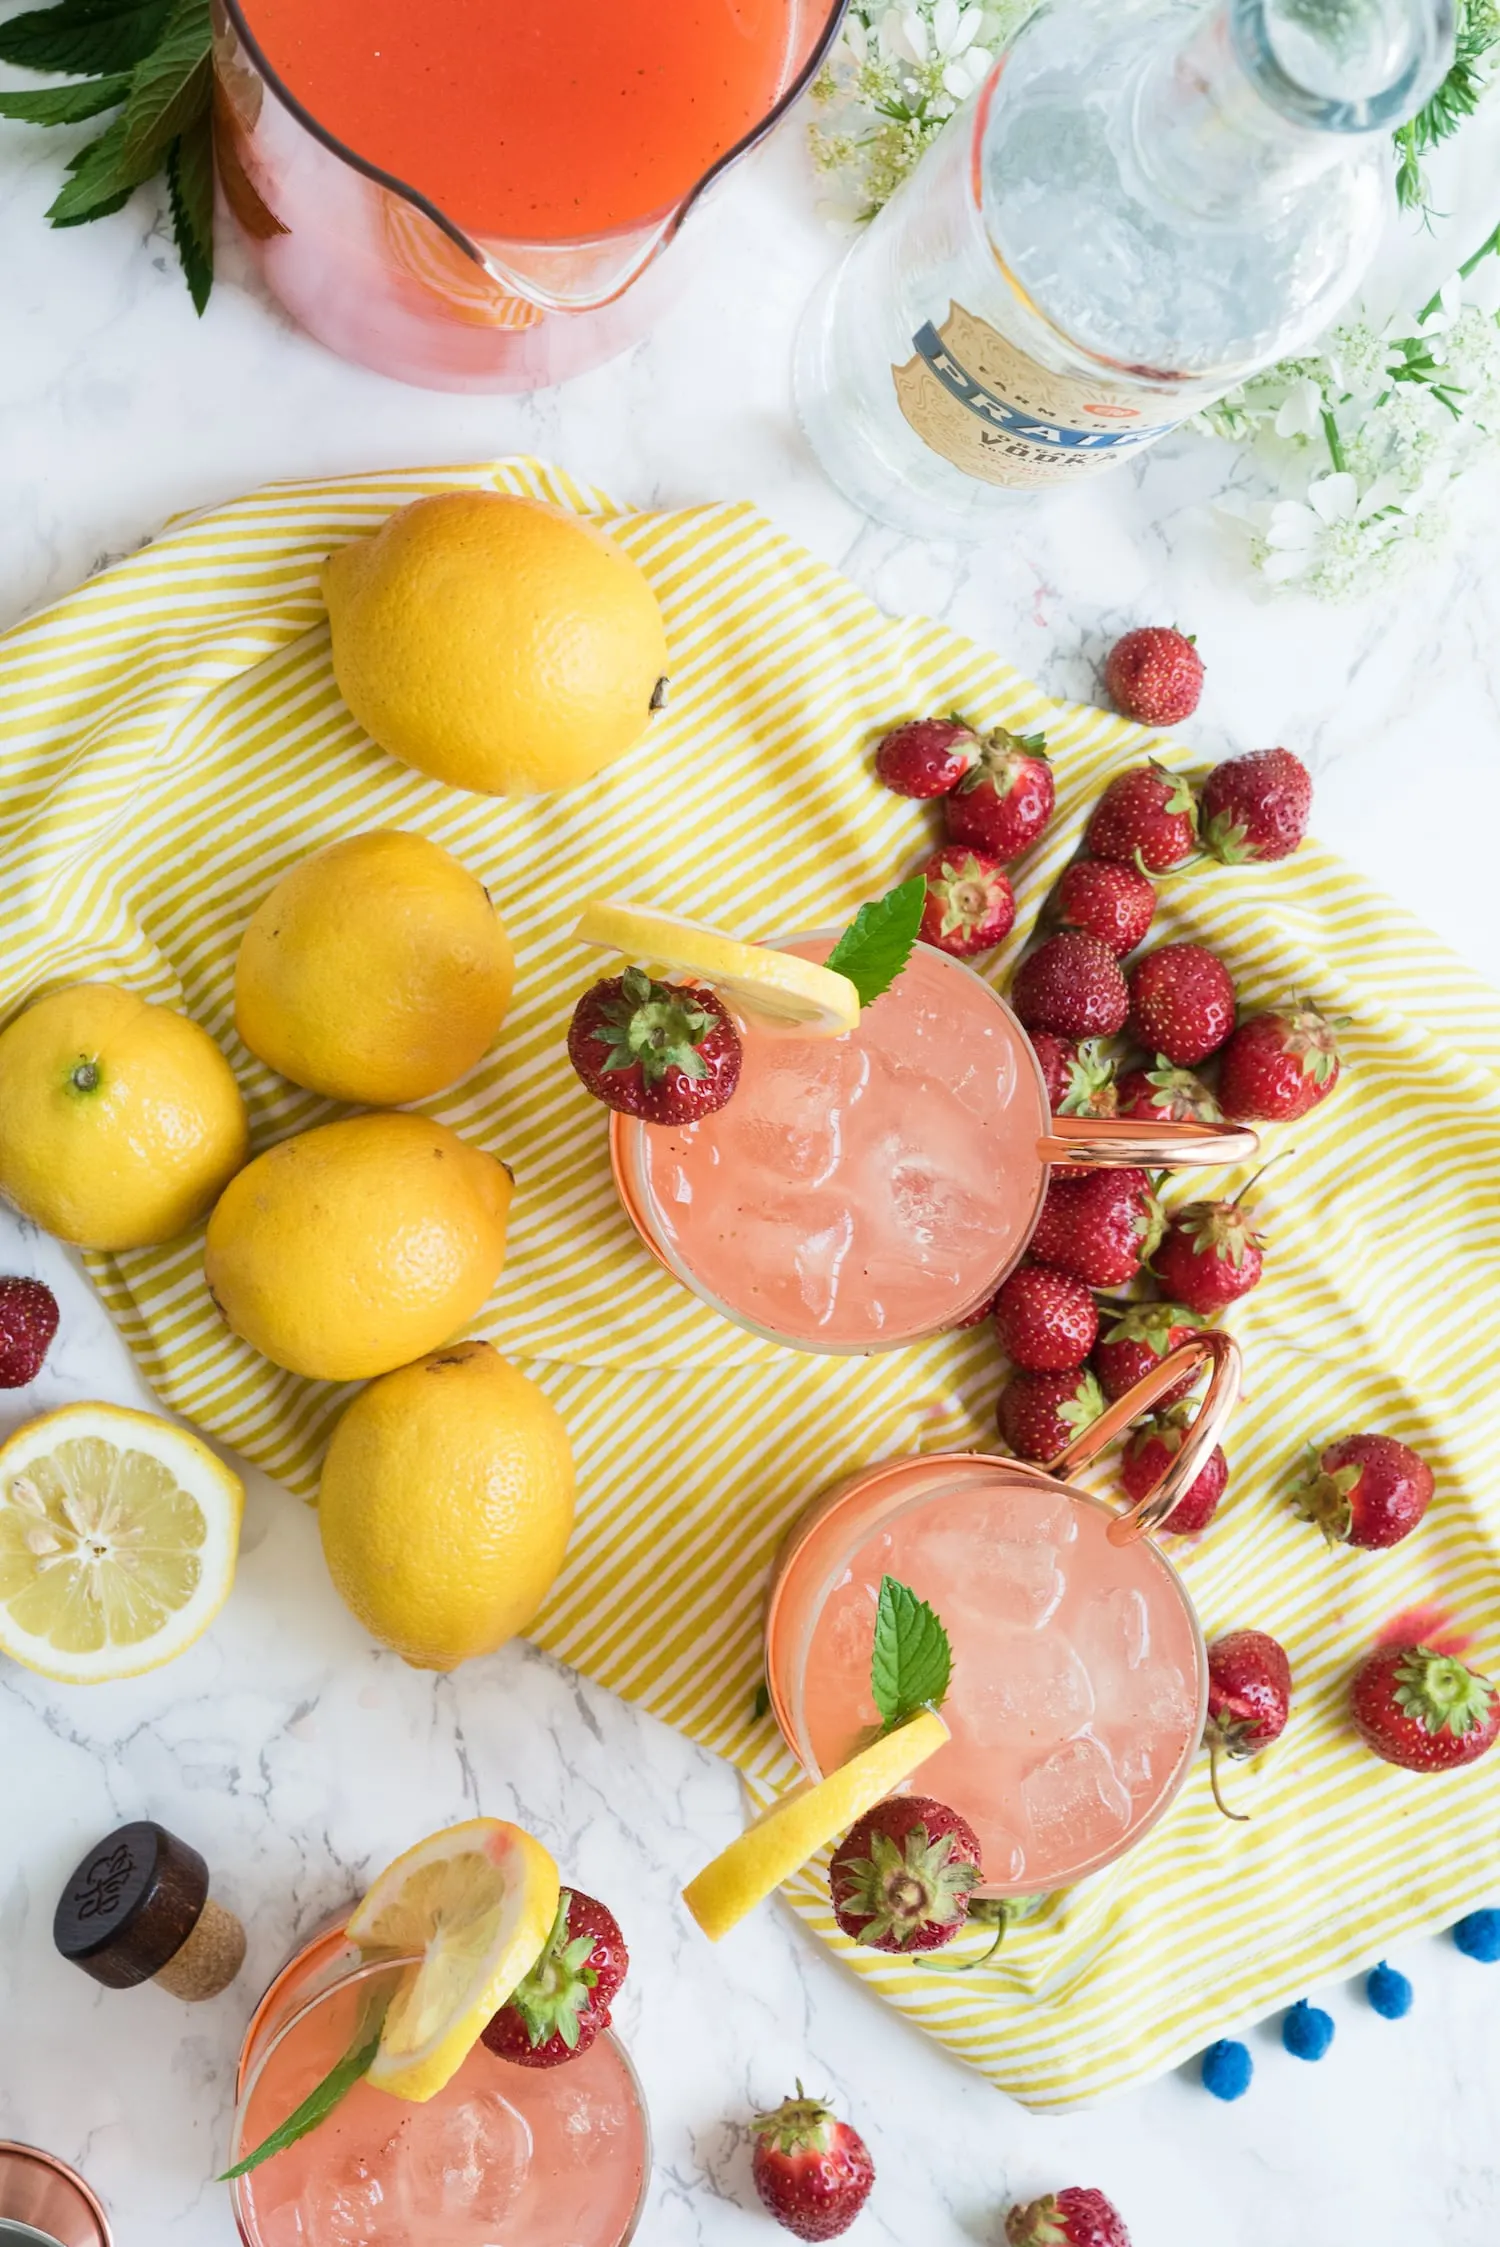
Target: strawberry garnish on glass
564 2002
901 1879
666 1052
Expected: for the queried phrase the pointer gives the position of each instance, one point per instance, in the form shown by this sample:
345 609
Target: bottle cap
131 1905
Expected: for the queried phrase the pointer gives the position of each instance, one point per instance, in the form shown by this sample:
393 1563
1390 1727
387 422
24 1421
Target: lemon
497 643
805 1821
750 976
446 1503
475 1905
376 972
353 1248
118 1536
120 1122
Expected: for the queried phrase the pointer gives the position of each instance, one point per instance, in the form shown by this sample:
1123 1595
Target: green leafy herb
66 105
190 182
913 1660
1452 105
320 2101
878 942
82 36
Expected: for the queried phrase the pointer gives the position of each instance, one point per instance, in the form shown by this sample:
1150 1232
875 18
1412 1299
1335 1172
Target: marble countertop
297 1757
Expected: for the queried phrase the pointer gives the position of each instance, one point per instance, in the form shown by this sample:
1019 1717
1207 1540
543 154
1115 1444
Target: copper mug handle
1115 1142
1213 1346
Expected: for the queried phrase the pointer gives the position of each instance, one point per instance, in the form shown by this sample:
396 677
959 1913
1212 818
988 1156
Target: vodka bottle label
973 397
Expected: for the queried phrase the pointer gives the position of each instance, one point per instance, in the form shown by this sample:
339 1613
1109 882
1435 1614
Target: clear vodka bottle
1147 201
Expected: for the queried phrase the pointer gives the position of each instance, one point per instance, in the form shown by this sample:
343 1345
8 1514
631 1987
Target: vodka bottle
1146 201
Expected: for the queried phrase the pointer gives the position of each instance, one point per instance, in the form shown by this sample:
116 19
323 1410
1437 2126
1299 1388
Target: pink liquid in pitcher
865 1189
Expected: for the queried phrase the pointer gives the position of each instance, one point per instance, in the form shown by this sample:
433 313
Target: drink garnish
912 1661
820 1000
323 2097
878 942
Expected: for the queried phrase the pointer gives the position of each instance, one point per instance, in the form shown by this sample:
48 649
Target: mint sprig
878 942
323 2097
912 1664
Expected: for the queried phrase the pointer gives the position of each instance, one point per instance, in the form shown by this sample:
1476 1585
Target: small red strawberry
1165 1095
1071 985
1090 1087
1078 2216
667 1052
1181 1002
28 1321
1005 799
1277 1066
1249 1700
1146 818
1041 1413
812 2171
563 2003
1145 1460
901 1879
926 757
1055 1056
1101 1227
970 904
1364 1490
1255 807
1211 1254
1154 675
1046 1320
1423 1710
1135 1343
1105 899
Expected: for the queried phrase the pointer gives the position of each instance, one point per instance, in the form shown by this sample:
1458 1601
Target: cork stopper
137 1909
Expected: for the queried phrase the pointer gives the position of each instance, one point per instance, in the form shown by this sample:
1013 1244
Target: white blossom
1300 413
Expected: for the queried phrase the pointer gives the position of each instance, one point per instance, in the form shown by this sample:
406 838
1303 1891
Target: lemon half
753 977
118 1538
476 1903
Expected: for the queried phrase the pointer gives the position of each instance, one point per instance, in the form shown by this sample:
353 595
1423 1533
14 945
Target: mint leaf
877 943
101 179
913 1660
82 37
172 85
190 179
319 2103
66 105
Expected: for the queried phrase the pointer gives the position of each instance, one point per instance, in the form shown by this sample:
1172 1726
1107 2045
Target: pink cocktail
506 2156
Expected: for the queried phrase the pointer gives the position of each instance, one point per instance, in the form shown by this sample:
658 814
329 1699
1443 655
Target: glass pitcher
499 280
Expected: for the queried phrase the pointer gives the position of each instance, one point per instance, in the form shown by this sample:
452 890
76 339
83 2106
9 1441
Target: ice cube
1076 1801
789 1110
995 1579
345 2203
1001 1850
818 1259
469 2163
1135 1692
1113 1635
1016 1688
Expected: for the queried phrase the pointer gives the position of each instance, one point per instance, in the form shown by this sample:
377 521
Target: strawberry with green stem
1249 1700
559 2009
1004 800
1165 1095
1366 1490
1040 1413
1134 1343
1279 1065
1212 1253
902 1877
813 2172
1423 1710
1146 818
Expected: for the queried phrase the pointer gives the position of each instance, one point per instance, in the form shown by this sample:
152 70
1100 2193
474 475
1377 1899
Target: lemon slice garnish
805 1821
476 1903
758 980
118 1539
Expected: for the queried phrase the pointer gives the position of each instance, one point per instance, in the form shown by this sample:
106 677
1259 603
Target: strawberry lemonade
1079 1676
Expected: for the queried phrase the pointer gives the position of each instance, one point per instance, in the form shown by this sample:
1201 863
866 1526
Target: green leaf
190 178
317 2106
878 942
66 105
913 1660
101 179
84 37
172 86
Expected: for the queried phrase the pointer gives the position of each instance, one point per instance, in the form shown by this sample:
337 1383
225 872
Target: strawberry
667 1052
1005 799
563 2003
1046 1320
1101 1227
1181 1002
1137 1341
1146 1458
970 903
1145 818
1277 1066
1105 899
1055 1057
1423 1710
1041 1413
1078 2216
926 757
1249 1700
1090 1087
1211 1254
901 1879
1165 1095
1154 675
812 2171
1255 807
1364 1490
1071 985
28 1321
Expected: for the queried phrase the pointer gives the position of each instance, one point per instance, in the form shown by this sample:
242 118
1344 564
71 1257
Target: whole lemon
120 1122
352 1248
445 1506
377 971
497 643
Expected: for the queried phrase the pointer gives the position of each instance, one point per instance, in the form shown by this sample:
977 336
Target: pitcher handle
1212 1346
1117 1142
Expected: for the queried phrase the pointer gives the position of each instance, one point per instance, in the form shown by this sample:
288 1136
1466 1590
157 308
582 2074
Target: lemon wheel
753 977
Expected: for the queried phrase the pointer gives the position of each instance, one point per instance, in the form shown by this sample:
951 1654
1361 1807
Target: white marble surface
297 1757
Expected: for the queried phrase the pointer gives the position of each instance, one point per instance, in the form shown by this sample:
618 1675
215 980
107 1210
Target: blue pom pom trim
1307 2031
1227 2068
1389 1992
1477 1935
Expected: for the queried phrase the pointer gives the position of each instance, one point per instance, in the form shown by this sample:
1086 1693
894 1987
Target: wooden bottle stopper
138 1910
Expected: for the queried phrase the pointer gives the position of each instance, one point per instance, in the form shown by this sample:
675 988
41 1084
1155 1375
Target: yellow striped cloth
172 742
